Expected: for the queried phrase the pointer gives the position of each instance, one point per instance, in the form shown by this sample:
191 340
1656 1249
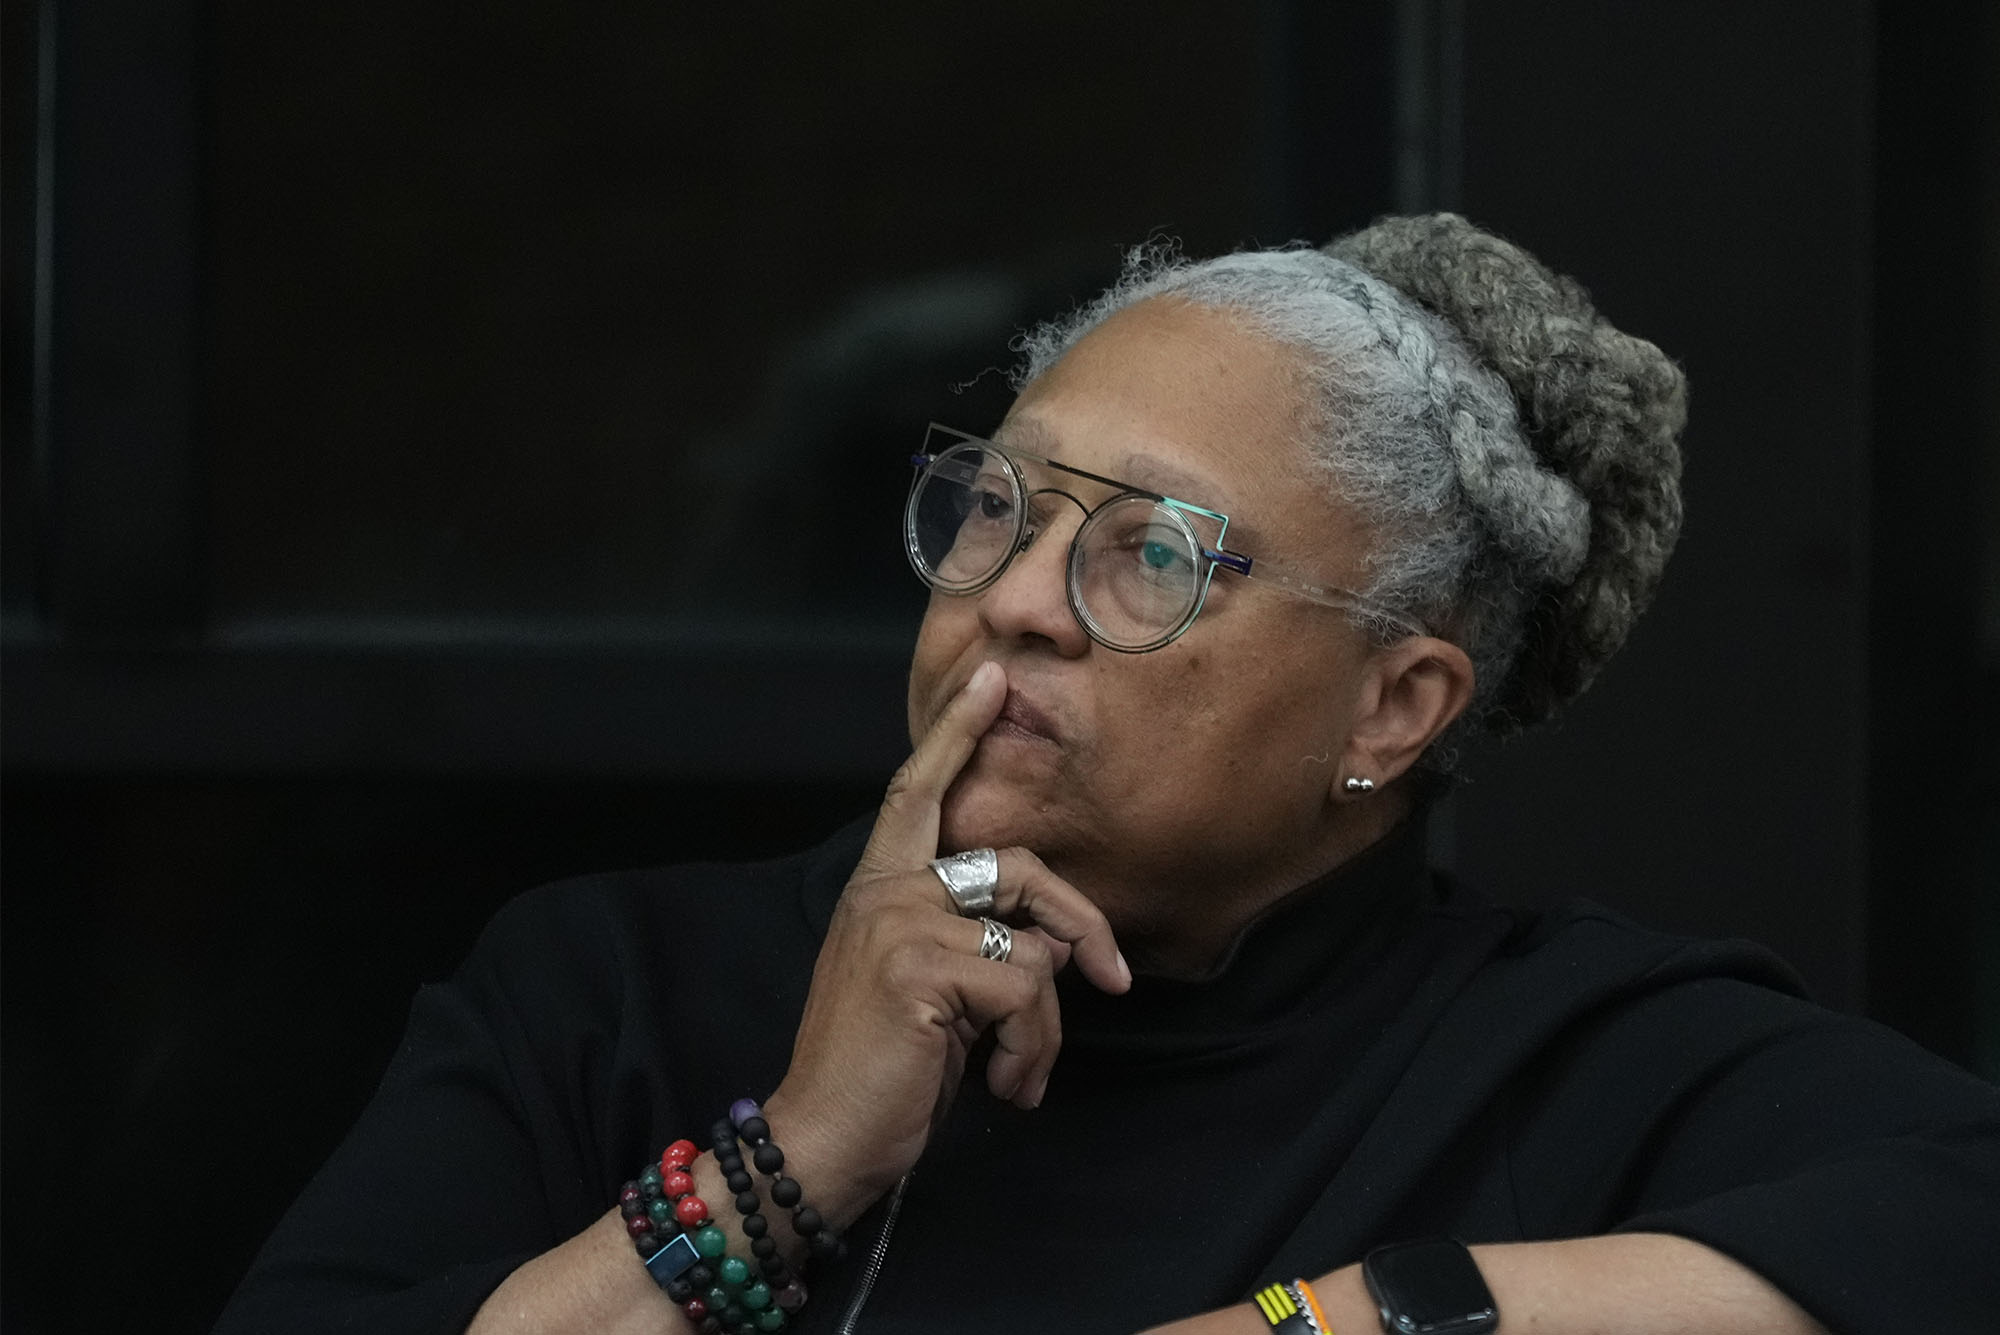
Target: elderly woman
1135 1001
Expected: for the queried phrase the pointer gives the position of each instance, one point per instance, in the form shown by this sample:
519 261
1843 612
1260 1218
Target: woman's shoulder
1560 975
1580 978
1581 936
1580 996
1581 946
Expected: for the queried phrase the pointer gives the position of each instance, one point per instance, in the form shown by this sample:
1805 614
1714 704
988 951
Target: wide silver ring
998 943
970 878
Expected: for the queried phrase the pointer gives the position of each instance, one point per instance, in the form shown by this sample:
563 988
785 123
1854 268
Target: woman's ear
1411 691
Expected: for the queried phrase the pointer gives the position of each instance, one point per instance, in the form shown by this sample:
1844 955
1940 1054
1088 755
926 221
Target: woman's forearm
595 1283
592 1283
1636 1283
1619 1284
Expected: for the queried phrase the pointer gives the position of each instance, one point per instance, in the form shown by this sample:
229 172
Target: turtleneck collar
1307 943
1305 949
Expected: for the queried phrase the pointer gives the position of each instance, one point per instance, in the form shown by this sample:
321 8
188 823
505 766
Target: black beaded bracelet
788 1290
747 1120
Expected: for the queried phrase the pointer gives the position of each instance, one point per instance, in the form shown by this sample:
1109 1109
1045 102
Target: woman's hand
899 994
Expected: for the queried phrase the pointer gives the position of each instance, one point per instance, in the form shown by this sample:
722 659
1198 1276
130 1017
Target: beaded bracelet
790 1291
664 1219
748 1120
714 1289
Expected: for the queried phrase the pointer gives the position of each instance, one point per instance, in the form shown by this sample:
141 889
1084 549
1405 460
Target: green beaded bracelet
687 1253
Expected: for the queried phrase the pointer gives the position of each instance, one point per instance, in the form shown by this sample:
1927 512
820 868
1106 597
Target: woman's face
1152 779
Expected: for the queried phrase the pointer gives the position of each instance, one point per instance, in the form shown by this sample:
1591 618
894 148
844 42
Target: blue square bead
673 1260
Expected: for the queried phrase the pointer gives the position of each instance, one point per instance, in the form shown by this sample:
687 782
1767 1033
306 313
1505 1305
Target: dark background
448 447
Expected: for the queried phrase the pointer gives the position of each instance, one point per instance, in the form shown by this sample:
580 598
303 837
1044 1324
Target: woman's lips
1021 715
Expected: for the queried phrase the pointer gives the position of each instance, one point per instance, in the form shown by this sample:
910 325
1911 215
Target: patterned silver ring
998 942
970 878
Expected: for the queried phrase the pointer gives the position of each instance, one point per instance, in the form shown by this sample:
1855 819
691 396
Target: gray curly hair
1516 455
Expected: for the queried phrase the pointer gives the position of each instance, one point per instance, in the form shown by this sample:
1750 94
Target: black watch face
1431 1288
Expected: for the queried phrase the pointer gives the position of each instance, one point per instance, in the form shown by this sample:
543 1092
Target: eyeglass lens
1134 569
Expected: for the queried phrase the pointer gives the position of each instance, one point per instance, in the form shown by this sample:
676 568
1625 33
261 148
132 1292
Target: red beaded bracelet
656 1207
686 1252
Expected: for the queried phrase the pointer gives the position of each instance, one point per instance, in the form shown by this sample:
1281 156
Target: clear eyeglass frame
1210 552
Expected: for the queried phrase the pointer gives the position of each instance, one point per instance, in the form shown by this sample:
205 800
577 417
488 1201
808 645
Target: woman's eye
1158 555
992 505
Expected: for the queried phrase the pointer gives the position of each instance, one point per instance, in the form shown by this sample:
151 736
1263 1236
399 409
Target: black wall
390 389
1711 168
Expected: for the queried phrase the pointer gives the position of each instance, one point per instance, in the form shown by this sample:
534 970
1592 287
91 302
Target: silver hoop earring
1360 785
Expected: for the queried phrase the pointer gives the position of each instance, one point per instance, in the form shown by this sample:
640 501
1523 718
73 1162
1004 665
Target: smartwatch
1431 1287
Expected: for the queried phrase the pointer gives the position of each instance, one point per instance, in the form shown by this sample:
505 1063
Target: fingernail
1035 1099
983 675
1124 969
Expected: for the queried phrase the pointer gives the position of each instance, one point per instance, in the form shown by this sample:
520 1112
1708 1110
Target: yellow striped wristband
1281 1307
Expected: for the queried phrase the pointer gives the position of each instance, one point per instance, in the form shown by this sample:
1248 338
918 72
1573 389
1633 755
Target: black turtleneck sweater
1380 1056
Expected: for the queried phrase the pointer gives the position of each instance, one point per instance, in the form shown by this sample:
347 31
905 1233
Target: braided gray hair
1515 454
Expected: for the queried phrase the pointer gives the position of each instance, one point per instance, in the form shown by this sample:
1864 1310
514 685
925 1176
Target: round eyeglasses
1139 567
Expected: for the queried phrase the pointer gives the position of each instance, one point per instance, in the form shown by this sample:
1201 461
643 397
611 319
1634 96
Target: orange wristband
1312 1305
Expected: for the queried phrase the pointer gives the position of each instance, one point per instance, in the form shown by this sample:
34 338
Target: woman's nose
1030 600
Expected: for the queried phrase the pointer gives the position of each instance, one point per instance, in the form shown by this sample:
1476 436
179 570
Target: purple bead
792 1297
742 1111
